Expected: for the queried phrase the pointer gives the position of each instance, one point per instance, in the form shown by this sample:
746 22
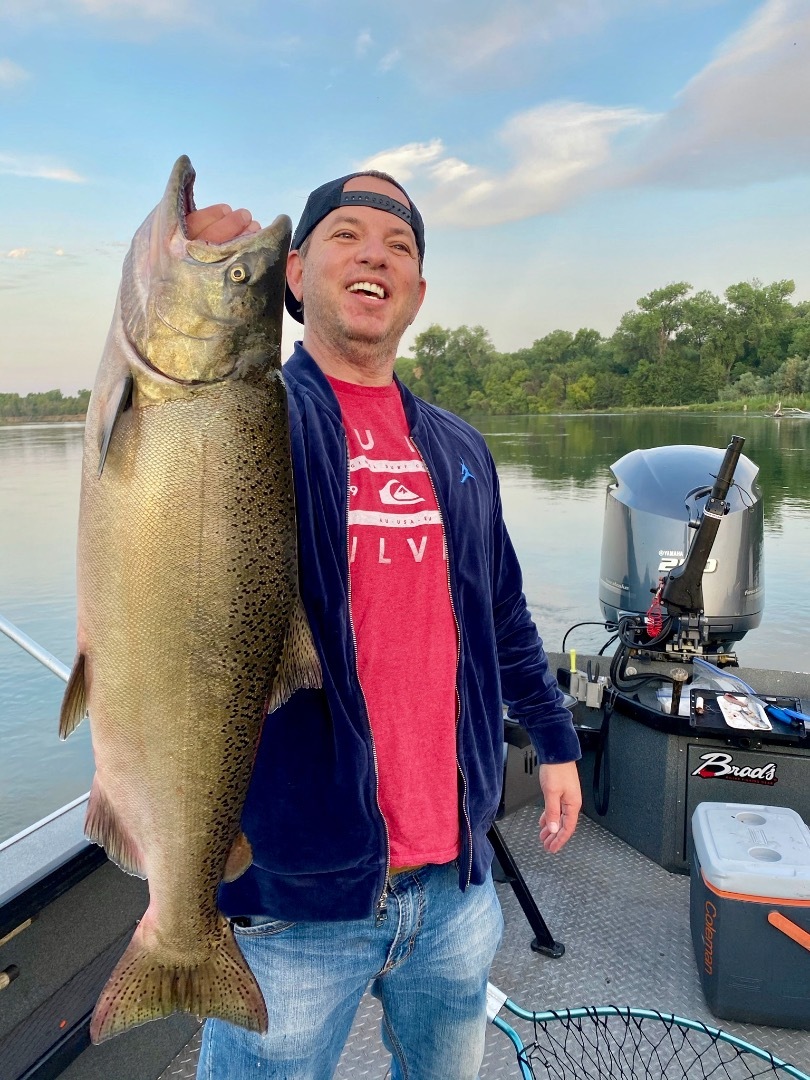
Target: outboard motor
666 502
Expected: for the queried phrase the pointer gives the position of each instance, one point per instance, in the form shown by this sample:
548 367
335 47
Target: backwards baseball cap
329 197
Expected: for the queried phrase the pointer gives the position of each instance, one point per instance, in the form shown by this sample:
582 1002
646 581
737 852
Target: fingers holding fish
218 223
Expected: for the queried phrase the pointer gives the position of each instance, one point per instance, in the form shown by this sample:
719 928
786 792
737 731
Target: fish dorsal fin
74 703
299 667
118 402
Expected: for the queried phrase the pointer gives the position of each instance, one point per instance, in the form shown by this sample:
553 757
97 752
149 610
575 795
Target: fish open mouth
185 197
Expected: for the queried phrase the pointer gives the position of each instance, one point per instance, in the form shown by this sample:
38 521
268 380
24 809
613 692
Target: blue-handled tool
734 684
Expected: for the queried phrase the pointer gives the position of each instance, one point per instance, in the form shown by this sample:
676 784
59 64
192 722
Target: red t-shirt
407 642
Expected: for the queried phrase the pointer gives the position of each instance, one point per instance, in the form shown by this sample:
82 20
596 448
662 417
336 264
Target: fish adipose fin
118 402
239 858
103 828
299 667
74 703
144 986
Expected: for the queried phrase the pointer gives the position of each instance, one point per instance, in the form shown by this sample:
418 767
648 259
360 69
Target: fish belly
187 581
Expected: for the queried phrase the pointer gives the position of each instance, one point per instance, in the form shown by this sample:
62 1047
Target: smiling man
371 797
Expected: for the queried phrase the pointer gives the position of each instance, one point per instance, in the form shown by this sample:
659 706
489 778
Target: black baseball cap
329 197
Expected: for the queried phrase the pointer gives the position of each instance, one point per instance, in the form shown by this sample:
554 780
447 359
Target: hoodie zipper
381 900
458 659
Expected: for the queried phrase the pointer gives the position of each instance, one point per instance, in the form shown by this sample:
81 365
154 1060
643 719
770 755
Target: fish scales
189 616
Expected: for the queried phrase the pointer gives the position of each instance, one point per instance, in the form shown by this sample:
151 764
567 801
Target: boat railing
43 859
45 658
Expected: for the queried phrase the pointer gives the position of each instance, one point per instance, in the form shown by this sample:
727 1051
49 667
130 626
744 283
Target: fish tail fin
103 827
145 987
74 703
299 666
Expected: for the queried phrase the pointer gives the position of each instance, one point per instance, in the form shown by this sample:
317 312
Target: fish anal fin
118 402
239 858
146 986
299 667
103 827
74 702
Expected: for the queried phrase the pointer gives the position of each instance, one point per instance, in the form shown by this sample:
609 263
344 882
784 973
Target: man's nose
373 251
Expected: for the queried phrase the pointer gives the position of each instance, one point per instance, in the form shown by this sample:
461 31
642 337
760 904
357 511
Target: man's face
360 279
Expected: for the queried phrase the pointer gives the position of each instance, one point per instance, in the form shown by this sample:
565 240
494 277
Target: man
371 798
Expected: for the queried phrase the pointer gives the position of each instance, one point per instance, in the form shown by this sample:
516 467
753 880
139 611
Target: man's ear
420 299
295 274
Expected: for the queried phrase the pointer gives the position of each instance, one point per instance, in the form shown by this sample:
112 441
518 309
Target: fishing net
634 1044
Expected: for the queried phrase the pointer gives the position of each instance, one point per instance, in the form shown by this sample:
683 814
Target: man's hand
563 798
217 224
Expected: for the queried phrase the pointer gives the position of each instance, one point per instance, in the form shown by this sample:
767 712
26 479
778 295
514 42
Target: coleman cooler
750 912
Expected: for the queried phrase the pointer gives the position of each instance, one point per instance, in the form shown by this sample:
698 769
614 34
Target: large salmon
189 619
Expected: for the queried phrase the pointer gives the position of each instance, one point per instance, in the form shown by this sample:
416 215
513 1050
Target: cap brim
292 305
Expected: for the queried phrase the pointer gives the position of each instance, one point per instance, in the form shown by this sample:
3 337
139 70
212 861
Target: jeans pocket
258 926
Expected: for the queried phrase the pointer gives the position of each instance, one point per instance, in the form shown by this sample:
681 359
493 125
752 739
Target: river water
554 471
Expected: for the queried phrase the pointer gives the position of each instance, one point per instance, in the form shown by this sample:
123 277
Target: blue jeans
426 959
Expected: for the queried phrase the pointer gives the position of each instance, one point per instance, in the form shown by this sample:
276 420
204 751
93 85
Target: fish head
196 312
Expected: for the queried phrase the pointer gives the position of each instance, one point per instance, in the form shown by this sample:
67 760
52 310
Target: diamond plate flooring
625 925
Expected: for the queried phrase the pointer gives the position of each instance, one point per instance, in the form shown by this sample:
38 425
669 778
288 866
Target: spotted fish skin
189 616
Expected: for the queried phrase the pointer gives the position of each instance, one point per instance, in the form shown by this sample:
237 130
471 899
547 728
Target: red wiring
654 619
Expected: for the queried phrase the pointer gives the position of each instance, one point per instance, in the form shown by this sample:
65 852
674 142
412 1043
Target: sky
568 156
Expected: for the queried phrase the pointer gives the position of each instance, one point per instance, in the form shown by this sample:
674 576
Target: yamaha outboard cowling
651 512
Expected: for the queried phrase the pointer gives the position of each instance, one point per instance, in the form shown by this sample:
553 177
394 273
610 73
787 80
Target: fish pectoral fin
118 402
74 703
103 827
145 986
299 667
239 858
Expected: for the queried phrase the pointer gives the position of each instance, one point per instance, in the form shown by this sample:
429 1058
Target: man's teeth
367 287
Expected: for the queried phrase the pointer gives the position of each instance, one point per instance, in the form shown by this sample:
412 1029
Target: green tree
761 319
449 365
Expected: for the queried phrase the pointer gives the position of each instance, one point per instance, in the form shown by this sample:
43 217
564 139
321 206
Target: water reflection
560 449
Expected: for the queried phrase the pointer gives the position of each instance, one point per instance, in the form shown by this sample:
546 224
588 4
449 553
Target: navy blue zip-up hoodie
320 848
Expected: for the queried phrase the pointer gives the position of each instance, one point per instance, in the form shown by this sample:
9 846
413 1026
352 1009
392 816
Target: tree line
676 347
49 405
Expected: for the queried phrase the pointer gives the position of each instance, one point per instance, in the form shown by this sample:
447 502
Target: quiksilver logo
396 494
718 764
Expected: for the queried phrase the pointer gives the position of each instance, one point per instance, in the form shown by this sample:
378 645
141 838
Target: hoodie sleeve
529 688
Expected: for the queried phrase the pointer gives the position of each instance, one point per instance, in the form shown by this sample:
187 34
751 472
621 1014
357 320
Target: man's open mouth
367 288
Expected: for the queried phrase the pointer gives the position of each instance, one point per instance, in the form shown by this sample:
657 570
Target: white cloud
158 11
11 73
553 154
363 43
404 161
390 59
746 116
475 37
38 169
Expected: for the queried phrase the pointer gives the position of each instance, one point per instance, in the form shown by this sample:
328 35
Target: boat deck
624 922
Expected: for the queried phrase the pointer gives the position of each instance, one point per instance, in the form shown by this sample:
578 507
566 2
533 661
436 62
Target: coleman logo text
709 930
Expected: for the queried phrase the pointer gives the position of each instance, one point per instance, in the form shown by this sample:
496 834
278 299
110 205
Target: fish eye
238 274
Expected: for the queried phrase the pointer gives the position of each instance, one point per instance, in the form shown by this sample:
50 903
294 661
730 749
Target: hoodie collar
305 372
